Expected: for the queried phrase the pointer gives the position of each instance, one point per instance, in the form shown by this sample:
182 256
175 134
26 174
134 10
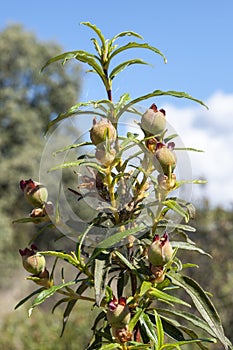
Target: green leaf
154 292
117 237
184 342
71 259
126 33
188 149
155 93
134 320
134 45
149 327
66 56
125 261
96 45
112 346
145 286
75 145
160 331
21 302
46 293
172 330
124 65
95 29
174 205
170 225
34 220
188 246
202 303
138 346
77 163
190 317
100 277
74 110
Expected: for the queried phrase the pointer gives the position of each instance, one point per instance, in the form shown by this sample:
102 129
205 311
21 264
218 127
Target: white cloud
212 131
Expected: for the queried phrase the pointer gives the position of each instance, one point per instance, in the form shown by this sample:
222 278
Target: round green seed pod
34 192
153 122
34 264
160 251
166 158
119 317
101 131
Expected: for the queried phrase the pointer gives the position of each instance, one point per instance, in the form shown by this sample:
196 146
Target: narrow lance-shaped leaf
172 204
149 327
126 33
96 29
100 277
117 237
202 303
134 45
188 246
124 65
21 302
190 317
154 292
155 93
77 163
46 293
66 56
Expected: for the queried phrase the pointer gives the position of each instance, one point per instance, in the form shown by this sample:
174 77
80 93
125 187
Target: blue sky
196 37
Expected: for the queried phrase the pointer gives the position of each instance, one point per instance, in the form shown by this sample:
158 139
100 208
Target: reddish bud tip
163 111
154 107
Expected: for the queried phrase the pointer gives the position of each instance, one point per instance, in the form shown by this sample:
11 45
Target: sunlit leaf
96 29
126 33
78 163
47 293
160 331
172 204
117 237
149 327
66 56
188 246
134 45
156 293
134 320
155 93
124 65
64 256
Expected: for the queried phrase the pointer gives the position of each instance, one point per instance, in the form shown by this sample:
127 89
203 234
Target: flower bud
153 122
101 131
33 262
165 183
166 157
118 314
158 272
160 251
35 193
106 157
44 280
122 335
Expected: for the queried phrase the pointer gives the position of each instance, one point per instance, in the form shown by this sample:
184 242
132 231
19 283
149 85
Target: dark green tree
29 99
